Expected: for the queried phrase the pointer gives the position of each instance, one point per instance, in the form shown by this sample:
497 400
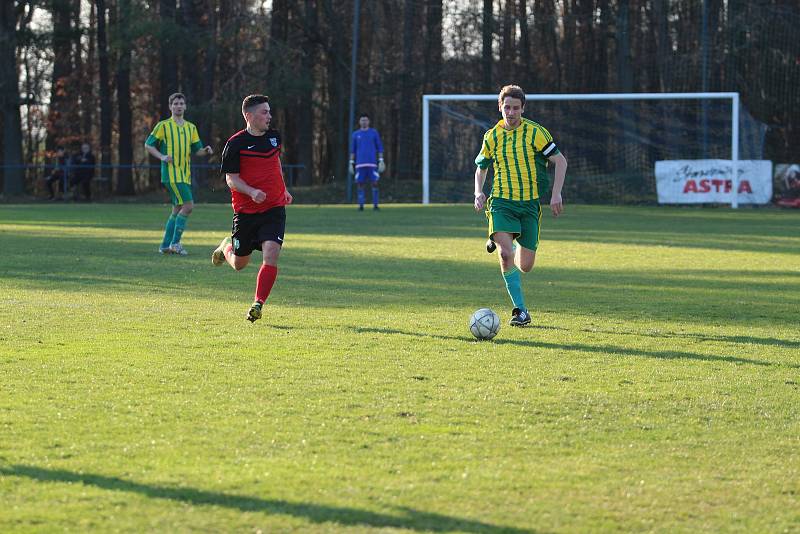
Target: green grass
658 390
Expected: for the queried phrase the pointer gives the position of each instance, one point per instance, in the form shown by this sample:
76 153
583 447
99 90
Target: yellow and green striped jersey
520 159
180 142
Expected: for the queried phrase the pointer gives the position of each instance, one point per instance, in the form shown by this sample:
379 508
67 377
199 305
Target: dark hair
174 96
514 91
363 115
251 101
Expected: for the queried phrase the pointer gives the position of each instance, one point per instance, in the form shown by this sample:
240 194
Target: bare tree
508 46
305 102
433 46
88 99
526 72
104 83
487 56
168 64
62 117
124 110
408 93
13 181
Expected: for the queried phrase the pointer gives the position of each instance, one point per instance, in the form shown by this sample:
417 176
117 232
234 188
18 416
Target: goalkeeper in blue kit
366 160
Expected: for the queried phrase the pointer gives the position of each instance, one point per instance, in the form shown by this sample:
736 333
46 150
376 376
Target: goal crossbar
732 96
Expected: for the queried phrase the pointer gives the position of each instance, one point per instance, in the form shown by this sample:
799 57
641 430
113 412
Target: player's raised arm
556 203
480 178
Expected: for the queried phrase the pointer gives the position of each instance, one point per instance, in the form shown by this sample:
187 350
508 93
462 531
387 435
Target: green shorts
179 193
519 218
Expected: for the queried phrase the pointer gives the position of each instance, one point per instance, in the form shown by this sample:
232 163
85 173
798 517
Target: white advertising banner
701 181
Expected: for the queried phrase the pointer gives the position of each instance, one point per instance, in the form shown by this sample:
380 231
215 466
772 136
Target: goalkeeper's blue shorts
367 174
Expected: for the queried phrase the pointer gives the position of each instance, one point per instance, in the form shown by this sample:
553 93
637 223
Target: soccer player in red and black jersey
252 166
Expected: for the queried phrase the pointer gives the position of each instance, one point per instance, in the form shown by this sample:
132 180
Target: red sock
266 278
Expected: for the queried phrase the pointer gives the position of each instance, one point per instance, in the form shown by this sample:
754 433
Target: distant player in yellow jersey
173 141
520 151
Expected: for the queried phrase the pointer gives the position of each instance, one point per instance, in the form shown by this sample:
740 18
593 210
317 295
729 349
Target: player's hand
352 167
556 205
480 200
258 196
381 165
209 150
287 196
166 158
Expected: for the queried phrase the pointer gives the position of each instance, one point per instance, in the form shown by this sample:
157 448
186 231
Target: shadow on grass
358 277
602 349
318 278
739 340
316 513
762 231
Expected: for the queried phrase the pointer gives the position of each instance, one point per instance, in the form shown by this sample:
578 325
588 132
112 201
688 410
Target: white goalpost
429 100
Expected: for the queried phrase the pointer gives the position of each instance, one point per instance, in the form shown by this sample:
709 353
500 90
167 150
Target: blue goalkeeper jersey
366 145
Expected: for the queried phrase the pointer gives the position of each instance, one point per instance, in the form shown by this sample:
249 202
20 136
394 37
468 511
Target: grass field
658 390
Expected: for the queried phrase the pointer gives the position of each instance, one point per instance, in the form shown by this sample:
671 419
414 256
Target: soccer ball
484 324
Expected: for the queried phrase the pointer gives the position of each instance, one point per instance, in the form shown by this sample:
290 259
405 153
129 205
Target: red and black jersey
256 159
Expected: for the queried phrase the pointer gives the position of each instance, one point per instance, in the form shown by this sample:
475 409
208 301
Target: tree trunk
626 118
487 57
13 181
88 99
624 63
104 89
525 68
168 64
205 117
125 117
569 45
508 50
338 131
408 102
433 46
190 73
548 58
603 36
305 117
62 100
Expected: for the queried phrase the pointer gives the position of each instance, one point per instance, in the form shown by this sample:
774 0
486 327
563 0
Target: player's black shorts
251 229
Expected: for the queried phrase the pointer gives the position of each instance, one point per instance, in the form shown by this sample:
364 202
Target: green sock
180 226
514 287
169 230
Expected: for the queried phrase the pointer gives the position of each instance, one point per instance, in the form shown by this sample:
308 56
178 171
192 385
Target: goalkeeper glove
381 165
352 167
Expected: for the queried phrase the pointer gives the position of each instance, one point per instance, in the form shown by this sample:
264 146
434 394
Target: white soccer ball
484 324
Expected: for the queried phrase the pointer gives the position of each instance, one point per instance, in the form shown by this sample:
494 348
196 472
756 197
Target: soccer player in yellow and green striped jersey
520 151
173 141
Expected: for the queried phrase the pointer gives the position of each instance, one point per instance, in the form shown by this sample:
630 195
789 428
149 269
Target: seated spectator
58 175
790 197
82 172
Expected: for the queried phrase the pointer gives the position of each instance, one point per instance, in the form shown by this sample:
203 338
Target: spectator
58 175
790 197
83 172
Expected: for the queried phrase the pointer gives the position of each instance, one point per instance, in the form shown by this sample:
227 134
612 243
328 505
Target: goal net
611 142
